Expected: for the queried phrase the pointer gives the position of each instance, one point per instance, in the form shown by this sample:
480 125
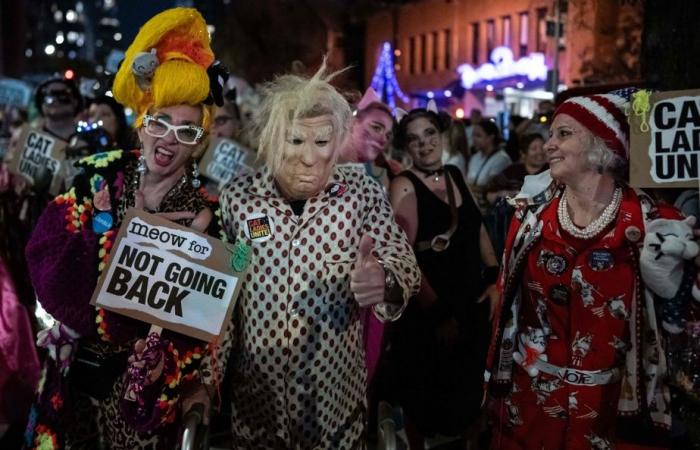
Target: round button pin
556 265
600 260
632 233
559 294
102 222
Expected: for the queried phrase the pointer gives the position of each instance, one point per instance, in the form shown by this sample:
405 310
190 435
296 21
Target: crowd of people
507 294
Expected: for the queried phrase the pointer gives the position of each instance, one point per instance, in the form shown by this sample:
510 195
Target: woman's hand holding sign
148 360
145 366
137 361
200 221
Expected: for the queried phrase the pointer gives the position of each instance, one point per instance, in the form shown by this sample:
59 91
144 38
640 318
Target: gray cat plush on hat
143 68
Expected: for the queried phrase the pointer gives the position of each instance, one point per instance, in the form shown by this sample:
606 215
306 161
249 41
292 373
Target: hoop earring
196 182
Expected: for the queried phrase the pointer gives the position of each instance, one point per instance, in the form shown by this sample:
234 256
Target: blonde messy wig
292 97
181 40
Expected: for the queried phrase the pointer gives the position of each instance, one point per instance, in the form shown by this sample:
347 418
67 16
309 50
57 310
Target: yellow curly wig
181 40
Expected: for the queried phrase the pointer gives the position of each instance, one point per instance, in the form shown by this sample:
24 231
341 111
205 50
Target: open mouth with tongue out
163 157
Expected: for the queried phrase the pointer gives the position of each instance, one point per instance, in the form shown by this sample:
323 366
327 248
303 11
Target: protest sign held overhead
225 159
665 141
170 276
38 158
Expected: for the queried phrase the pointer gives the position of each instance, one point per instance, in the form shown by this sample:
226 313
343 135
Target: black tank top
455 273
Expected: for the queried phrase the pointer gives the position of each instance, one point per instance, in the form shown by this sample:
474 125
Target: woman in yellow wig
94 354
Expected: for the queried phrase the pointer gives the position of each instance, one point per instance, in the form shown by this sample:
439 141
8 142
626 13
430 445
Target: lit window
542 30
507 31
490 35
448 49
423 51
436 51
475 43
524 31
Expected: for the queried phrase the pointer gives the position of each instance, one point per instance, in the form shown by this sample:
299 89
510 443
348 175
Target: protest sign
14 93
168 275
38 155
225 159
665 143
114 58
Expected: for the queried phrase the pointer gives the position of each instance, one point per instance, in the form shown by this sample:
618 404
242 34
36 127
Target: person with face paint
324 246
368 138
439 346
95 354
577 360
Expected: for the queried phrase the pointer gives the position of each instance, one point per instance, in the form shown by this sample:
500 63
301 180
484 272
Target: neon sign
502 66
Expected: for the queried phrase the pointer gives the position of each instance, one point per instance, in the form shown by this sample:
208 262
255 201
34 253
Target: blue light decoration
384 79
503 66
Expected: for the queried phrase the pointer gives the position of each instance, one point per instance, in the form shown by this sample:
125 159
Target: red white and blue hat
604 116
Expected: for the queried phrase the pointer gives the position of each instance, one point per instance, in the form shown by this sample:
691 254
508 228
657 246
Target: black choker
434 174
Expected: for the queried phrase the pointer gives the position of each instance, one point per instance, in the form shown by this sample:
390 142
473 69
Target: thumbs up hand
367 279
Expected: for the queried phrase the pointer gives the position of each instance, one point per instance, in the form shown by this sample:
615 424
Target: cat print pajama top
580 308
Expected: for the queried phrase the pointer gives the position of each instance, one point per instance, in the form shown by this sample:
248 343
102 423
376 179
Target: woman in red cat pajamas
576 362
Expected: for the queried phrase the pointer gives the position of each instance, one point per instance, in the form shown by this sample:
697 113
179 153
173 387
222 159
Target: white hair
602 159
293 97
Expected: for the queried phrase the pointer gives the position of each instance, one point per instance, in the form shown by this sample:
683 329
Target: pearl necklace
594 228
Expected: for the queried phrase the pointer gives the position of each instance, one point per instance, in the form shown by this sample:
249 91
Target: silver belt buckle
440 243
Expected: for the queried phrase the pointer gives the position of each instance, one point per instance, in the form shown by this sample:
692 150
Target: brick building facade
435 38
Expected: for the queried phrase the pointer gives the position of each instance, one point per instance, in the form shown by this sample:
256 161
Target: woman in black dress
439 346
